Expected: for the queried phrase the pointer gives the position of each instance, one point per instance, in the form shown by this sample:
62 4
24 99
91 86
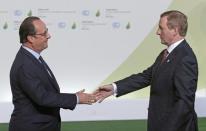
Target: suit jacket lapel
159 67
173 55
43 71
53 79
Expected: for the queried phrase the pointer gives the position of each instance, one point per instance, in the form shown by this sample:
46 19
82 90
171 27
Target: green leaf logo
98 13
128 26
74 26
5 26
29 13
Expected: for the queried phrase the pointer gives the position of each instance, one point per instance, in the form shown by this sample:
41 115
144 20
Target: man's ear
30 39
176 31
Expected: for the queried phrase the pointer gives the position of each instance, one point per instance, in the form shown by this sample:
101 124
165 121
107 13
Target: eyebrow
160 26
45 31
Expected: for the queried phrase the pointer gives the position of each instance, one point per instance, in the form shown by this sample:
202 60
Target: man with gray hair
173 79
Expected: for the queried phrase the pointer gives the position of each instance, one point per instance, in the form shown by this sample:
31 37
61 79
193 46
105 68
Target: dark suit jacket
173 86
36 96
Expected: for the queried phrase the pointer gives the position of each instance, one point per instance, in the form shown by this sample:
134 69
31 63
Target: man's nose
158 32
48 36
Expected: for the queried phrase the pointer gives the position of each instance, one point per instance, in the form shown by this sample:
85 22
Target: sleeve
134 82
185 83
35 89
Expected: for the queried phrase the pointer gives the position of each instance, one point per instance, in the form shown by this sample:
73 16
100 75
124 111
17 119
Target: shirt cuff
77 99
114 88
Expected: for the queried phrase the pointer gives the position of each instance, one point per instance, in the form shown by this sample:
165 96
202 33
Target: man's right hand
85 98
103 92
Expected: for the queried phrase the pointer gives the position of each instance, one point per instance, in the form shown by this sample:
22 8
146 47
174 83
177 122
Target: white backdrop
84 56
89 40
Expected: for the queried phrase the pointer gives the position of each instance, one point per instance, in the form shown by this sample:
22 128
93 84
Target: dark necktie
45 66
164 55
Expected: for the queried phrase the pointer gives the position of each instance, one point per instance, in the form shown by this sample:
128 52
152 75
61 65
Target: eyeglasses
43 34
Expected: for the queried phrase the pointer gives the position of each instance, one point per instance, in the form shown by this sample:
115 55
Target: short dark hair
27 28
176 19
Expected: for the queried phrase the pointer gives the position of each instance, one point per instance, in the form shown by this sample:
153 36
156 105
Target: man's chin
163 42
46 46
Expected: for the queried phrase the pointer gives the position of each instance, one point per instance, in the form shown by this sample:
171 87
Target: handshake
97 96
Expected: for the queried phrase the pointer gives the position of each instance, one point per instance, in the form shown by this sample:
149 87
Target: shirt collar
35 54
174 45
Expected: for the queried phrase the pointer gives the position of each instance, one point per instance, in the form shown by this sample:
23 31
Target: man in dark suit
173 79
36 95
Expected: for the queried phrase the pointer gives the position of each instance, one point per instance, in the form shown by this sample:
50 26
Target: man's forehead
39 24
